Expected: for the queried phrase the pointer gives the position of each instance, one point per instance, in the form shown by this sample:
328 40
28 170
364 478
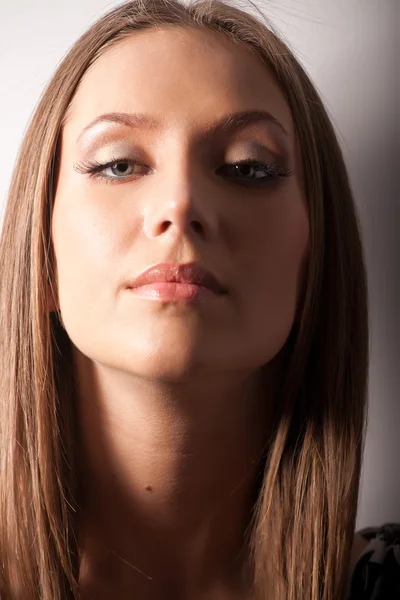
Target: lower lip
180 292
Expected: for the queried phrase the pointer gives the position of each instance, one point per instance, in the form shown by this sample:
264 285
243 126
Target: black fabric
376 575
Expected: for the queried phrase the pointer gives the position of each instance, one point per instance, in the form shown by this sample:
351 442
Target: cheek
84 240
271 269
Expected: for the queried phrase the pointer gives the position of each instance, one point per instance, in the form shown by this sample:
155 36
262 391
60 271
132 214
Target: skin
174 399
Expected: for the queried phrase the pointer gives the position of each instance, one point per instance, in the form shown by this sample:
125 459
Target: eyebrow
228 123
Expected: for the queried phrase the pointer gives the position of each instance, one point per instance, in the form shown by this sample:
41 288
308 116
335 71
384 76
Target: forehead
181 76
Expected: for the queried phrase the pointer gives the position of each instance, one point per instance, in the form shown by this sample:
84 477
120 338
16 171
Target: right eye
121 168
125 168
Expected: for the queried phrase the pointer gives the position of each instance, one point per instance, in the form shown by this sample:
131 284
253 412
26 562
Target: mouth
175 292
185 279
174 282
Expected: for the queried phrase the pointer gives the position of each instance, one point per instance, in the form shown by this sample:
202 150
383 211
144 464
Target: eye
118 169
254 171
122 168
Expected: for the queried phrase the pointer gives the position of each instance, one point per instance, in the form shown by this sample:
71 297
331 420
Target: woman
183 324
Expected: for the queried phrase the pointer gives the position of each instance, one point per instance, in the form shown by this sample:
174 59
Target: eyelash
94 170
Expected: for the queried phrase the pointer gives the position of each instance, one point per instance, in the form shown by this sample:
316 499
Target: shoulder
375 568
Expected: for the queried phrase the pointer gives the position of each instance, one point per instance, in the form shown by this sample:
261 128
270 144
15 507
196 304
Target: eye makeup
274 141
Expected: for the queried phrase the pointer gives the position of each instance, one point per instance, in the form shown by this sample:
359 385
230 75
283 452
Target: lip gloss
182 292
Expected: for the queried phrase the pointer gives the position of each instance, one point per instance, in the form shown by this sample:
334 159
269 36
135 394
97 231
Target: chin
166 364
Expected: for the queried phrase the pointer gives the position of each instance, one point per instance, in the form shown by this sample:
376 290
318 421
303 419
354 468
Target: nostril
197 227
165 226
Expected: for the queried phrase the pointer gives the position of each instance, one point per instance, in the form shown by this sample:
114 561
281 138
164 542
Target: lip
192 274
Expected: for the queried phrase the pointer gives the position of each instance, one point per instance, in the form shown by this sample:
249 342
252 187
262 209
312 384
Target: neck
170 475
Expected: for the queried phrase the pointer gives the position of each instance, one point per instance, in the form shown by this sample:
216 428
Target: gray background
349 48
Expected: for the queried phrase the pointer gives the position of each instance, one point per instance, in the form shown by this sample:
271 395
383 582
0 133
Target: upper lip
178 273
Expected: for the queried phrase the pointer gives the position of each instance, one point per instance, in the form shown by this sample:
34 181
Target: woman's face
176 200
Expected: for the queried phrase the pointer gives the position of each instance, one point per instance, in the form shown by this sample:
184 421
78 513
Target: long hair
304 515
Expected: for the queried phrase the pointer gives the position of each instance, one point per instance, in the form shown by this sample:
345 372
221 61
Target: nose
180 208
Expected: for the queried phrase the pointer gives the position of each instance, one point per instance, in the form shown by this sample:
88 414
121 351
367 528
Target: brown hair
304 518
